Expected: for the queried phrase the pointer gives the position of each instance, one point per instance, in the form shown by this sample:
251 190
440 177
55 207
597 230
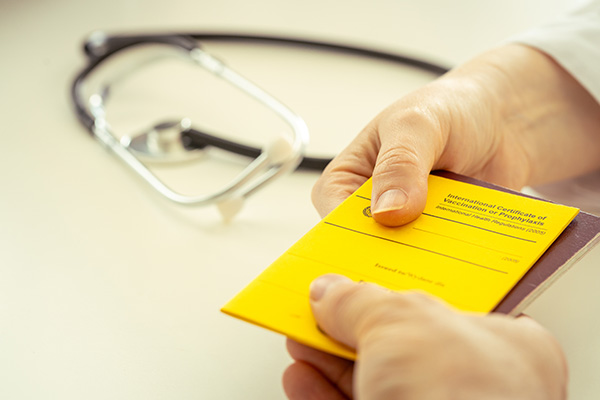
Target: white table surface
108 291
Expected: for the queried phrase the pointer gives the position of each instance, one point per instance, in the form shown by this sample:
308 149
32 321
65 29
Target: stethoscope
175 140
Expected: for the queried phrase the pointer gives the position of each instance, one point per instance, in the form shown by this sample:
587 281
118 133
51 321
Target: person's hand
411 346
511 116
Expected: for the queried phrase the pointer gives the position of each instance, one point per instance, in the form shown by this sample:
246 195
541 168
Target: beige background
108 291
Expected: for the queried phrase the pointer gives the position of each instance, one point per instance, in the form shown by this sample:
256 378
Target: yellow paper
470 246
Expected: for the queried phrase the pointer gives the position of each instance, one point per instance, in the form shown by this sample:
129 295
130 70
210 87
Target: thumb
340 306
351 312
405 158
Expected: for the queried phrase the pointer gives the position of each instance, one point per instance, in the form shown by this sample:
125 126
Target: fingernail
392 200
319 286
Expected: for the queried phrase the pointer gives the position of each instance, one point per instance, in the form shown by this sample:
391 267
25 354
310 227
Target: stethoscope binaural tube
283 155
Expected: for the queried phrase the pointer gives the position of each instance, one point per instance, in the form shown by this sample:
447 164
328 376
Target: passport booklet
472 247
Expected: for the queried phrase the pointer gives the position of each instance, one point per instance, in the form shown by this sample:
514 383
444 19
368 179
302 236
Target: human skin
413 347
511 116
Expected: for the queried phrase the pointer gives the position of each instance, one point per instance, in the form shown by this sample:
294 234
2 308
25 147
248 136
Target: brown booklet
574 242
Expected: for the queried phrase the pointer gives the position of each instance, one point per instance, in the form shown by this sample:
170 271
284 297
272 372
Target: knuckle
404 157
413 133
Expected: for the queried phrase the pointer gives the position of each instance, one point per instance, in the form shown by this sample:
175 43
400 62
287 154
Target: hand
511 116
411 346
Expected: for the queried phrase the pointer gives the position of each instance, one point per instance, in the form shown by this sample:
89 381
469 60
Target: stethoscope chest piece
163 143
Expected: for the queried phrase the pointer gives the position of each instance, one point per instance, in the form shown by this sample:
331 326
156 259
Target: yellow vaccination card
470 247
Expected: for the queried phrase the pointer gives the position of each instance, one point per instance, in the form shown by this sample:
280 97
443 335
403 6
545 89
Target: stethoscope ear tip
279 151
96 45
230 207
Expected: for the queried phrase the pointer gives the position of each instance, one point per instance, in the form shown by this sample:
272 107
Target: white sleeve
574 42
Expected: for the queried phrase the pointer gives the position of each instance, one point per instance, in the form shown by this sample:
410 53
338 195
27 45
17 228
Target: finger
349 312
529 326
542 334
398 149
302 381
410 143
539 340
337 370
346 172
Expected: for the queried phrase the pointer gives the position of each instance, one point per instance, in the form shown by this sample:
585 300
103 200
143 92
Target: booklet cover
577 239
470 247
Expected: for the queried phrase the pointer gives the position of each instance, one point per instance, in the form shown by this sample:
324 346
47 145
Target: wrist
542 110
